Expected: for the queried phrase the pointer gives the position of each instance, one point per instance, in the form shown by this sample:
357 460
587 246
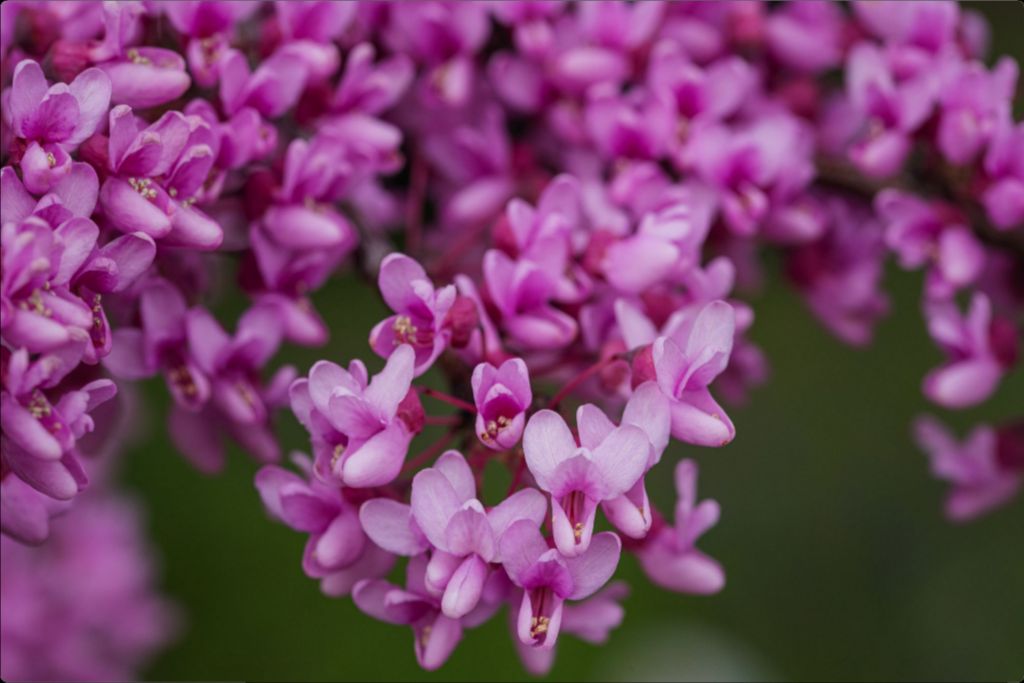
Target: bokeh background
840 565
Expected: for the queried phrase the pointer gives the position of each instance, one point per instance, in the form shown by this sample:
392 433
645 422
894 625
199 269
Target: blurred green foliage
839 562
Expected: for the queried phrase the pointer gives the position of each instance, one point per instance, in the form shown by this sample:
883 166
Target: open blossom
360 429
981 469
522 292
435 634
420 312
1003 198
140 76
463 534
603 466
920 232
157 172
980 348
337 553
686 363
549 578
53 119
502 396
591 619
669 556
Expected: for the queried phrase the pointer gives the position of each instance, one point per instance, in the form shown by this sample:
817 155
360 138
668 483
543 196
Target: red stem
581 378
442 420
414 205
449 399
430 451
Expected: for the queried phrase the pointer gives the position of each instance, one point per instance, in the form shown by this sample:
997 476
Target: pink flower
435 635
980 349
158 172
522 291
605 464
463 534
420 312
981 479
549 578
53 119
669 556
360 430
502 396
686 363
337 552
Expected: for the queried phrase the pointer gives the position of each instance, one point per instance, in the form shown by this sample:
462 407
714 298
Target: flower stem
447 398
579 379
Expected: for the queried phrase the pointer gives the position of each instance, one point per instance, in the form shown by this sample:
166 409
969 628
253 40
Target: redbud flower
420 312
980 480
464 535
549 578
604 465
686 363
359 435
502 396
53 119
669 557
975 366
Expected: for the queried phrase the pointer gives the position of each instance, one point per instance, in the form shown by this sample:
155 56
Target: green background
839 562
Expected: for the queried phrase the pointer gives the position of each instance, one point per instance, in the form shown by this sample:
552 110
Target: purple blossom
53 120
605 465
1003 198
140 76
981 480
978 356
464 535
921 232
522 291
420 312
337 552
669 556
434 634
549 578
686 363
157 173
502 396
360 429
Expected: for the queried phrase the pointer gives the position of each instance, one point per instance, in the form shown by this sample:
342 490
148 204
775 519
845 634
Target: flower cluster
82 607
583 194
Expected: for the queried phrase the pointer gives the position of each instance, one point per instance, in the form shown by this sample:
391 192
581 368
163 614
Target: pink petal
378 461
463 591
454 467
621 459
593 425
390 525
547 442
592 569
434 502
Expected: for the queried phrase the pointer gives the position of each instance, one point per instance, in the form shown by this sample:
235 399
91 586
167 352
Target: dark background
840 564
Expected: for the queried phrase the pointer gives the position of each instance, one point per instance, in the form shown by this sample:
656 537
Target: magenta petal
16 204
299 227
630 513
456 470
520 547
23 512
341 543
527 504
150 84
378 461
621 459
28 88
463 591
468 532
91 89
699 420
129 211
433 649
963 384
547 442
434 501
198 439
390 525
692 572
592 569
593 425
193 229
